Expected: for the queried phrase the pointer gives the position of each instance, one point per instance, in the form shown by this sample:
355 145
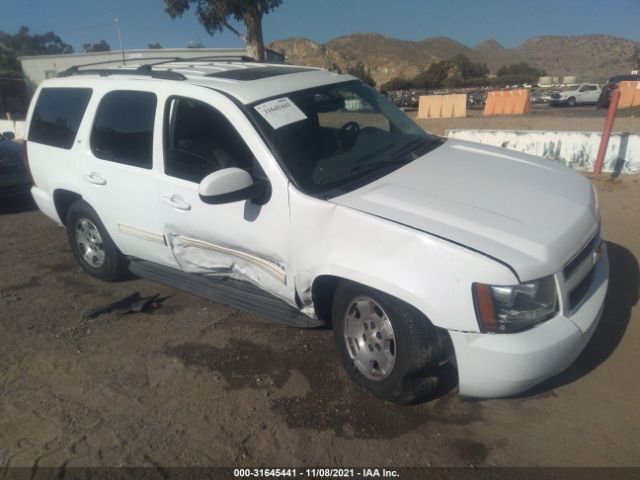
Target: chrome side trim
143 234
273 269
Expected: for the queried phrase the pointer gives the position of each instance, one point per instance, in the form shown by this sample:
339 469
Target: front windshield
336 138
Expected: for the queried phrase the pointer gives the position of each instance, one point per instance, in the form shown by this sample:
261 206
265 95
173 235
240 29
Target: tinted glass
200 140
57 116
333 139
123 128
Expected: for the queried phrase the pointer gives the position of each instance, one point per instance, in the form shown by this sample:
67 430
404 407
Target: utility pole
120 40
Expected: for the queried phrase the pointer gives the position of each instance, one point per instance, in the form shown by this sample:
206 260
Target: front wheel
91 244
571 102
386 345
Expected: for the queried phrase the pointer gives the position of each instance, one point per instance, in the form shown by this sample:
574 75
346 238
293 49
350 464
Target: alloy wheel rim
369 337
89 242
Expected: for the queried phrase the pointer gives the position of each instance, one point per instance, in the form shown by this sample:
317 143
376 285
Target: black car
603 101
14 176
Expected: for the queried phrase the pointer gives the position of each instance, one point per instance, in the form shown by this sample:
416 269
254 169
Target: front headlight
512 308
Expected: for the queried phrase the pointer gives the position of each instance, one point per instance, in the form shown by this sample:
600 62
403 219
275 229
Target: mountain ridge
589 57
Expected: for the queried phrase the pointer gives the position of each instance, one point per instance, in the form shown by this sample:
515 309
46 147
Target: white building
40 67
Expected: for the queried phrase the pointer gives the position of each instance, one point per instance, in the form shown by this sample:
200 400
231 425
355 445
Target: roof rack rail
119 60
143 70
214 58
146 68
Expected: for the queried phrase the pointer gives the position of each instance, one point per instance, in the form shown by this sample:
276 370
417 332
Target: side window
57 116
200 140
123 128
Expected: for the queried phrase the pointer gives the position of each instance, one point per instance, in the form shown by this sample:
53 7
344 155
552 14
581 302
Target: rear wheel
91 244
386 345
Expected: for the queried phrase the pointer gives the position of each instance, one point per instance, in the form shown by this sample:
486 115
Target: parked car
612 84
541 96
14 177
587 93
477 99
256 186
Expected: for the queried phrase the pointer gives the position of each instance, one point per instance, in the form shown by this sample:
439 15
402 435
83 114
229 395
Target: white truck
304 196
585 94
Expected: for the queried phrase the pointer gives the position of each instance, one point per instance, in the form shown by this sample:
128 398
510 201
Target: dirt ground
197 383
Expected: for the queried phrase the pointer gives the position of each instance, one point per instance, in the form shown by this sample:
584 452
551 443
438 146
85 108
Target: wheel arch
323 289
63 199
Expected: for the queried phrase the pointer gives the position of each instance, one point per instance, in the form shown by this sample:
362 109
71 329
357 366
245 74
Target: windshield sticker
280 112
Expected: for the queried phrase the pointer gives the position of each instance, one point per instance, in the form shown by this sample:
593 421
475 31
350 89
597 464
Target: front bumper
499 365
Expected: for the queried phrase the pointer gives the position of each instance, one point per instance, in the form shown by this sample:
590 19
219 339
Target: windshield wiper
417 145
362 159
378 165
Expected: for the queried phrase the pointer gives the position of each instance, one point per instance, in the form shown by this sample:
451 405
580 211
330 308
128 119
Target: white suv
306 197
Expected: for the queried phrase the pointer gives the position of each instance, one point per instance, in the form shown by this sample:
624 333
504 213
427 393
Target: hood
530 213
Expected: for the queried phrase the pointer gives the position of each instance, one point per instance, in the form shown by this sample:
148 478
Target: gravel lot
197 383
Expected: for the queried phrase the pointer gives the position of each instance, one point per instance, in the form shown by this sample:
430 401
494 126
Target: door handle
95 178
176 201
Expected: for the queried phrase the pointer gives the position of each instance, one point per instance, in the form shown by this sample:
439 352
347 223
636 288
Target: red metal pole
608 126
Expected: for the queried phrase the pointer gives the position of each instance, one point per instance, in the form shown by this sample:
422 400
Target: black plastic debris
134 303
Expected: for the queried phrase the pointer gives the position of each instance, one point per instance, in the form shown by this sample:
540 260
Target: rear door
591 94
242 239
118 175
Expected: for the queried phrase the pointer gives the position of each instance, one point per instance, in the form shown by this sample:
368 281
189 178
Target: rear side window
57 116
123 128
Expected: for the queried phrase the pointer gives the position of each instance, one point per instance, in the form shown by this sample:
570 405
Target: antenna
120 40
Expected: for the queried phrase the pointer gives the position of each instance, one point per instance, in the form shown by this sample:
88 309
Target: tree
519 73
101 46
359 70
215 15
434 76
154 46
397 83
466 69
23 43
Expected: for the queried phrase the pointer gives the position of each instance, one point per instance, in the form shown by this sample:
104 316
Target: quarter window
123 128
57 116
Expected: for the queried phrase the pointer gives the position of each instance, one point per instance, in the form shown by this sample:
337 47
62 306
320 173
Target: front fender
430 273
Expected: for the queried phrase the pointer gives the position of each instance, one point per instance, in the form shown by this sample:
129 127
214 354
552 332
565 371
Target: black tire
114 265
571 102
419 347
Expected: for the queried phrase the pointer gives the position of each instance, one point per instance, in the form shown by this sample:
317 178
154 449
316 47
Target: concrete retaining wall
577 150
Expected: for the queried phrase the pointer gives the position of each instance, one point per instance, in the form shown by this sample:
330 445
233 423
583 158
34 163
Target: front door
241 239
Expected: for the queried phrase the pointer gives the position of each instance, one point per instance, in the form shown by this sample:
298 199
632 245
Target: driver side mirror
232 185
9 135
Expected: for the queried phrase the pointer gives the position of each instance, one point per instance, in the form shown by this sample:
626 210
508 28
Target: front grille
578 292
576 261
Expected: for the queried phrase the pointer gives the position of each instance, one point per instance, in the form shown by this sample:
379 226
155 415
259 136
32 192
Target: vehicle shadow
17 204
622 295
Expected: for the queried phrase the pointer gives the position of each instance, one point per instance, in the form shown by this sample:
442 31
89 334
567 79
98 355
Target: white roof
263 80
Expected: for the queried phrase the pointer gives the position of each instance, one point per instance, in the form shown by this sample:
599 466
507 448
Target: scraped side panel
197 256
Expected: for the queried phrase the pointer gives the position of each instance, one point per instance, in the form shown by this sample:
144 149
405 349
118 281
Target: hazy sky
468 21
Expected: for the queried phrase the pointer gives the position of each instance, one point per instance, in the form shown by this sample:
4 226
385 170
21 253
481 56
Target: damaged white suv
305 197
